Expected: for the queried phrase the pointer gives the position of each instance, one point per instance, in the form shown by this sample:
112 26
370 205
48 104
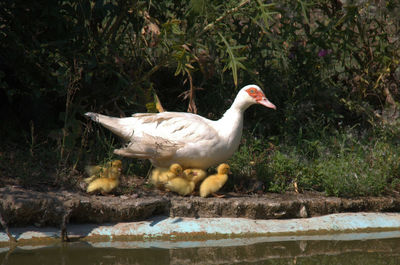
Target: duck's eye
252 91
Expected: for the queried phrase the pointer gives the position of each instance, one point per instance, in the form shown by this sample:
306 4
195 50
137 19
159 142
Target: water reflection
376 251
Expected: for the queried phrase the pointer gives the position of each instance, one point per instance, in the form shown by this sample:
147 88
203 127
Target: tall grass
341 164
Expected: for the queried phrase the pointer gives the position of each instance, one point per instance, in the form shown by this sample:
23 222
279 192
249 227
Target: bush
325 64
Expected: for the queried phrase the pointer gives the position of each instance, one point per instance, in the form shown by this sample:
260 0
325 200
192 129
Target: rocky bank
21 207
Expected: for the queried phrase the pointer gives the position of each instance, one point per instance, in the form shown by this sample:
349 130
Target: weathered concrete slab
243 241
214 228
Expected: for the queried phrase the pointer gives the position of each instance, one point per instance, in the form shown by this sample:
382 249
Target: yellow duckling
160 176
215 182
106 184
195 175
180 185
102 171
155 174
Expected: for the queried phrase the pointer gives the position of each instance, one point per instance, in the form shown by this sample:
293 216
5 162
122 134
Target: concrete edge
185 232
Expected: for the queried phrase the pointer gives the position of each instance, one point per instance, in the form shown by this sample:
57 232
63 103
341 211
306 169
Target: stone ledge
21 207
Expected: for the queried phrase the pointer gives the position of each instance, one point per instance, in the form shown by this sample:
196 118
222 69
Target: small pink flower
323 52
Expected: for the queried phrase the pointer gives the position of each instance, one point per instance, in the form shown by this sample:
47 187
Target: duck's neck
232 120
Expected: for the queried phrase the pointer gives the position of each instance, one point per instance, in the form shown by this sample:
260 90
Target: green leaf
266 13
233 62
304 10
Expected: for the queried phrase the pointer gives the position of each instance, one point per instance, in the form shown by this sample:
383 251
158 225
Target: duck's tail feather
123 127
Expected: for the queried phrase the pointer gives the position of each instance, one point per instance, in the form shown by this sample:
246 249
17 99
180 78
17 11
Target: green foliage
234 62
344 164
326 65
281 170
315 58
252 152
366 171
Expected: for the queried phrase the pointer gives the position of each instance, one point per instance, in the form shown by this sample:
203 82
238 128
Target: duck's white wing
174 126
171 126
161 135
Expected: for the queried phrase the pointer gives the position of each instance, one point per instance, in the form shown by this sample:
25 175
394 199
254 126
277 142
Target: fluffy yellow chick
155 175
102 171
160 176
180 185
106 184
215 182
195 175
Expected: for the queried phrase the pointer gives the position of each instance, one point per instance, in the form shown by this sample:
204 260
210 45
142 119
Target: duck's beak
265 102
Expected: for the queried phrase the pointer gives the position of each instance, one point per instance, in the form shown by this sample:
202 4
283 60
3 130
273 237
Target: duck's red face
259 96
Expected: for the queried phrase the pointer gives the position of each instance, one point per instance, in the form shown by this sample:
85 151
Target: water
366 252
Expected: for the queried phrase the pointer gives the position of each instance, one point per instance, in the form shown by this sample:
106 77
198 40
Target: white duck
184 138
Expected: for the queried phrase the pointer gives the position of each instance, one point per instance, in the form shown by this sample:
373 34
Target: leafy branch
233 63
230 11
